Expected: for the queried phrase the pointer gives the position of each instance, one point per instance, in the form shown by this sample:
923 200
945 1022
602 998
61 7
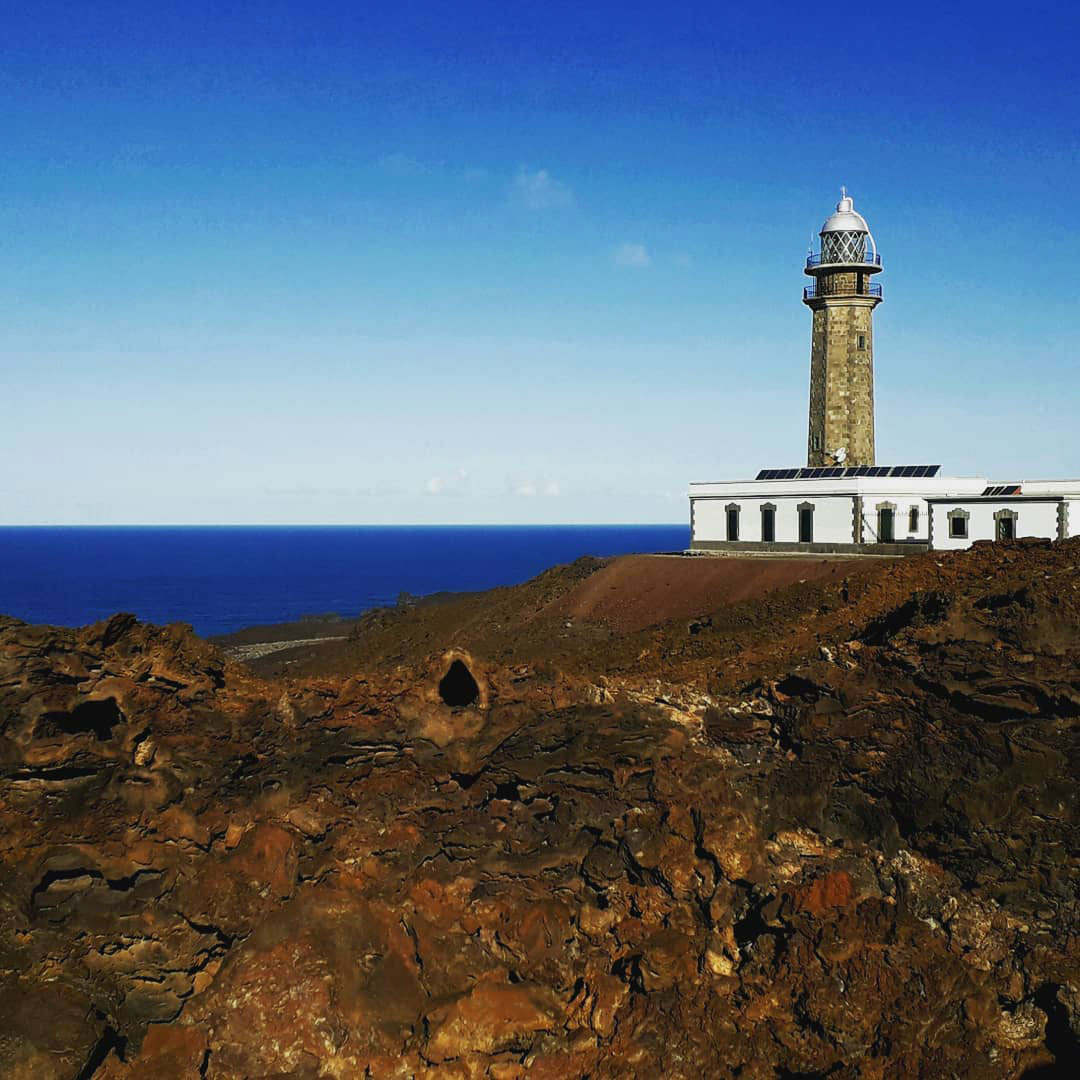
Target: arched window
1005 524
886 522
732 521
768 523
958 524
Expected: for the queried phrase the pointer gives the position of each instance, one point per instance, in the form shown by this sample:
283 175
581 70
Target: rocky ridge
832 832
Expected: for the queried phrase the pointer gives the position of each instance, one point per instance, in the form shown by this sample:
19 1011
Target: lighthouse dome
846 218
846 239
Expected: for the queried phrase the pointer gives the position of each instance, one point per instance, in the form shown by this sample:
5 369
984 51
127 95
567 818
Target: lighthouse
842 502
842 297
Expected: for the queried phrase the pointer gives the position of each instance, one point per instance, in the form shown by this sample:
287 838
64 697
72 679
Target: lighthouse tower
842 297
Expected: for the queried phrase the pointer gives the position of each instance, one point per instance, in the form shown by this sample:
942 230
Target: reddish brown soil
636 591
620 613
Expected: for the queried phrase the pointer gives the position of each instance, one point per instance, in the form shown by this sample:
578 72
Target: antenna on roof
843 191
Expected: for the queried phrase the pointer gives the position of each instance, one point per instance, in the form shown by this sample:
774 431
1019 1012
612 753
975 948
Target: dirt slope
594 611
636 591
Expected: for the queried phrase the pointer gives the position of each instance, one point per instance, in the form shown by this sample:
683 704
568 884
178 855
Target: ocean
224 578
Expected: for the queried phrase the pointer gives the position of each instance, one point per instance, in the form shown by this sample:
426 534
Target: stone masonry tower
842 299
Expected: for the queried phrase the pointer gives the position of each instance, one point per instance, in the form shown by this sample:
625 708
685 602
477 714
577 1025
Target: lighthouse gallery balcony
869 258
811 292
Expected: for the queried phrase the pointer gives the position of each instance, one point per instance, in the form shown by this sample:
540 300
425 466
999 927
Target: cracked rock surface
829 832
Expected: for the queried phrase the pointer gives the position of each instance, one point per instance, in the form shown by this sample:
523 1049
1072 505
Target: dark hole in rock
628 969
797 686
507 789
91 717
77 879
111 1042
457 687
57 774
1020 597
1060 1040
464 780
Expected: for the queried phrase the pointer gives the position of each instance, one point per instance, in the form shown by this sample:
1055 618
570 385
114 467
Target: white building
843 502
875 510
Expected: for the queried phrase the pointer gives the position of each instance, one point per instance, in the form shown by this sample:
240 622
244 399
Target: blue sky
288 262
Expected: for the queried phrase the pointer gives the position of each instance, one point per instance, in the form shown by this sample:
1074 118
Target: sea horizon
224 577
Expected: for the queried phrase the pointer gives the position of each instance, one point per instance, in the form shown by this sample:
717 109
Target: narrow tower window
862 341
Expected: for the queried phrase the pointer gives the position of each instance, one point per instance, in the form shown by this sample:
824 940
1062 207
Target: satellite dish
840 455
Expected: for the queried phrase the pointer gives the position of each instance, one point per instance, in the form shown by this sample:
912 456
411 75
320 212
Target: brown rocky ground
828 830
562 616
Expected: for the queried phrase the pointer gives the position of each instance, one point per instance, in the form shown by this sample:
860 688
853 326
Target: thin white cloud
334 492
527 487
398 164
633 256
539 190
455 483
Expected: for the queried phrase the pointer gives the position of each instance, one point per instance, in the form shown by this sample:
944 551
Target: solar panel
832 472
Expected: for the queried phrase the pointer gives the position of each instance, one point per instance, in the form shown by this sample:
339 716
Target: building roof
919 487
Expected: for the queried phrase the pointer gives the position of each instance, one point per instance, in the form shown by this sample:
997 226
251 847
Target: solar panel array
845 472
1003 489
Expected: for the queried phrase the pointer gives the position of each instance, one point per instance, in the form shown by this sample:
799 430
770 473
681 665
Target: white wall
1074 517
1035 518
833 516
902 518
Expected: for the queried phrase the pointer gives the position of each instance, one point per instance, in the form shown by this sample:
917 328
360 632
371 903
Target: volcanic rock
809 833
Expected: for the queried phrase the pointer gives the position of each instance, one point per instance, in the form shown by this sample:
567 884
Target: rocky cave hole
111 1043
1060 1038
458 688
97 718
